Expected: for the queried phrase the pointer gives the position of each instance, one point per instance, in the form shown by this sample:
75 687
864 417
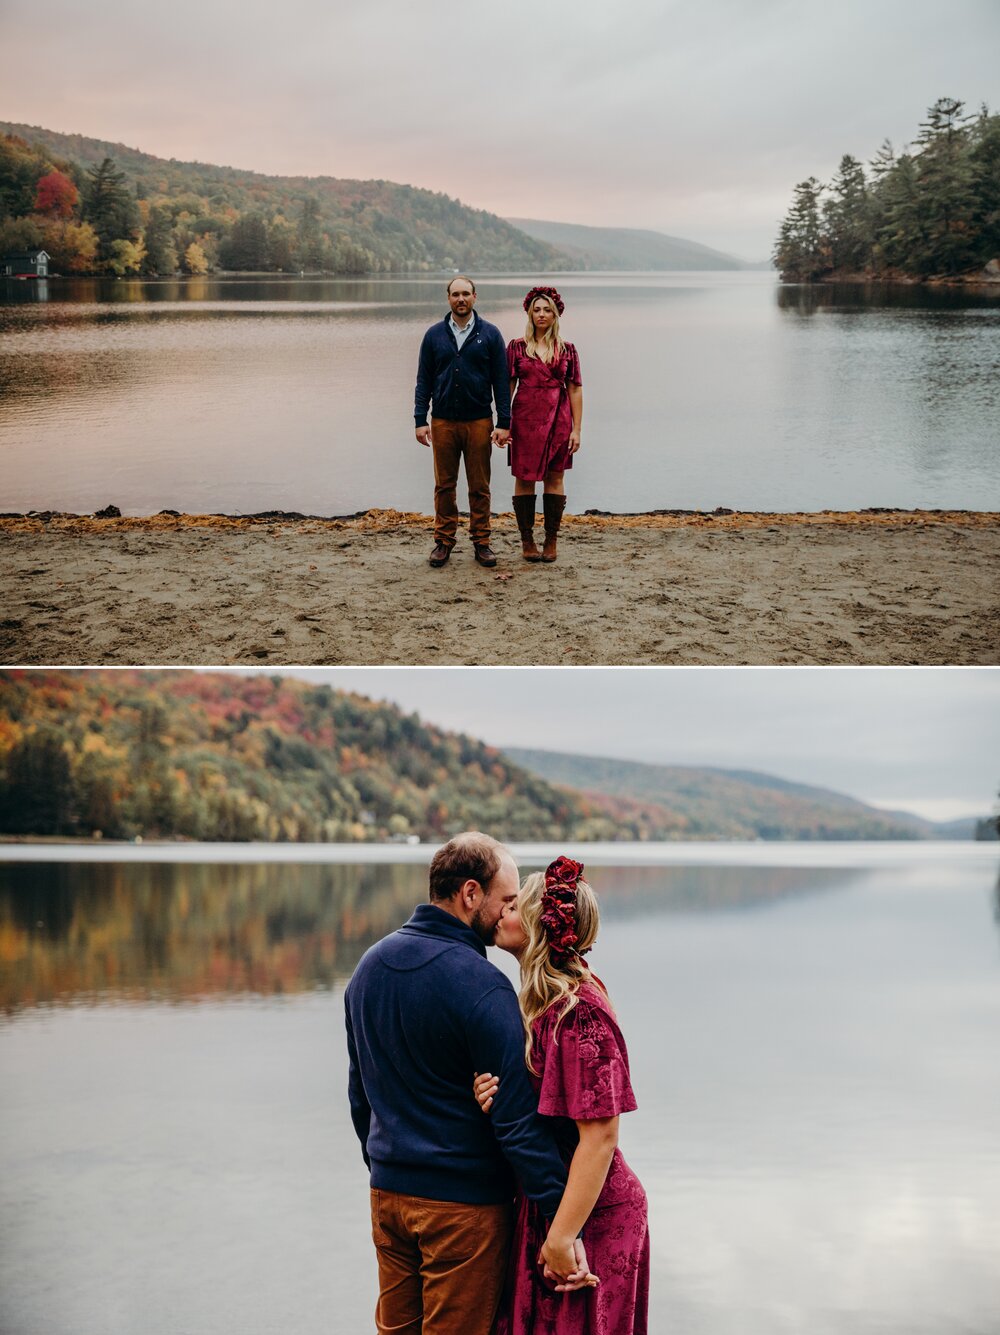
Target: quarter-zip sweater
425 1011
462 383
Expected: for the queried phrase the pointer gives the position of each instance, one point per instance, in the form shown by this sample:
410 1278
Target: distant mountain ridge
709 803
628 248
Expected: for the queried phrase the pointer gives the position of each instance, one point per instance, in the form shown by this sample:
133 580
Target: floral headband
559 908
549 292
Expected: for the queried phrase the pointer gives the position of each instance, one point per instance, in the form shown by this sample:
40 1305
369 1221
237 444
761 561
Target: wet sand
889 587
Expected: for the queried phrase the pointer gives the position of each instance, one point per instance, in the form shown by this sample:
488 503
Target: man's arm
500 378
424 388
361 1111
496 1038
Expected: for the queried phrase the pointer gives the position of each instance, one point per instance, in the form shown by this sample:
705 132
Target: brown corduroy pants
441 1265
452 442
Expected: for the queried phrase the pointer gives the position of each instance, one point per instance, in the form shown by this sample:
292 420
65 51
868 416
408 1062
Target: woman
546 417
578 1064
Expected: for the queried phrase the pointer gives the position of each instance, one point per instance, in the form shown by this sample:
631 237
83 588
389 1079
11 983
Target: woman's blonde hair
543 982
551 345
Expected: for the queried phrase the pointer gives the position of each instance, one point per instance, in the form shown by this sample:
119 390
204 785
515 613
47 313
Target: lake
813 1032
701 390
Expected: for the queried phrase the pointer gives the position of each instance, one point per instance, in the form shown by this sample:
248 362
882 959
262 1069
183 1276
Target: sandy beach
885 587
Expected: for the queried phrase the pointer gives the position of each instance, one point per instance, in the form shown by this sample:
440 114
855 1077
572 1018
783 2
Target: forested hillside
222 756
930 211
219 756
98 207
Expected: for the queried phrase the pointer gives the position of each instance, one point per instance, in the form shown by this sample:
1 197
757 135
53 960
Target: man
425 1011
461 369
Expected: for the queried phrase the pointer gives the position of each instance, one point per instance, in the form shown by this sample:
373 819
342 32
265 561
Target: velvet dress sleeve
586 1074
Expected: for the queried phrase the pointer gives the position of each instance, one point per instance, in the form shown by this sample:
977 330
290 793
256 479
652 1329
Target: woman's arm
576 407
513 387
587 1174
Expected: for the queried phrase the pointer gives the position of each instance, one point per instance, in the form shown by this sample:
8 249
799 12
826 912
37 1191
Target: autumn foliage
56 195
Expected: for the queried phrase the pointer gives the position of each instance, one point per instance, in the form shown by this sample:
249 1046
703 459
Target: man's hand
579 1278
424 435
500 437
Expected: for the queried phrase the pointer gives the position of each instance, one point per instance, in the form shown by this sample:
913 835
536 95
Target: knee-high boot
552 509
524 512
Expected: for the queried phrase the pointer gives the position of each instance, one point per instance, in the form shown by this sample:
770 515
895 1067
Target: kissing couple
488 1119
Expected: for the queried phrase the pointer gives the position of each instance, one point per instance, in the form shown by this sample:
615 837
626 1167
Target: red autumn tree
56 195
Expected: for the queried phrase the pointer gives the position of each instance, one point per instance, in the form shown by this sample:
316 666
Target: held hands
554 1257
484 1087
424 435
500 437
564 1264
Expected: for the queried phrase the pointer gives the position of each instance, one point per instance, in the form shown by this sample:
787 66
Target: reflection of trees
180 932
177 931
808 298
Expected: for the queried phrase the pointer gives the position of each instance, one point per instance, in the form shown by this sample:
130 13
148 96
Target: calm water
701 390
813 1045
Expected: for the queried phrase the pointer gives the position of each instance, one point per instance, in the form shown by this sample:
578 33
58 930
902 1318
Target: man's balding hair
471 856
465 279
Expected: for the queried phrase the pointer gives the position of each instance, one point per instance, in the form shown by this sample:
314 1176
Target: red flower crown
549 292
559 908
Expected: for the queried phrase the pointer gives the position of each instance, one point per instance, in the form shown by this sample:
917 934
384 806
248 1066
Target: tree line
929 211
135 214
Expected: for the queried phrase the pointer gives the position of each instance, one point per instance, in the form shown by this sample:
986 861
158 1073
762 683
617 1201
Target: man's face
461 299
501 894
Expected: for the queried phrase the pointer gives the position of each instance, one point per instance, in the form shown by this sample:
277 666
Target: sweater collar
429 920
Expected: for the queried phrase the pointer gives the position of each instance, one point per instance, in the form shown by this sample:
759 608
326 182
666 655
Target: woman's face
542 314
510 935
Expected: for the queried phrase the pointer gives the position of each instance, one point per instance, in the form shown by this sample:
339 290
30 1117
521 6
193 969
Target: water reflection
172 394
808 298
114 931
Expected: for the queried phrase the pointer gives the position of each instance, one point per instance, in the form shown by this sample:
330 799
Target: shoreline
377 520
878 587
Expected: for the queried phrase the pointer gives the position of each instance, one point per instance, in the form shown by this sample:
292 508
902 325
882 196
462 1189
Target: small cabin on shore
29 264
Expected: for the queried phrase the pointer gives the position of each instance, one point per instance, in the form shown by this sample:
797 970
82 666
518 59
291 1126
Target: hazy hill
626 247
730 804
398 226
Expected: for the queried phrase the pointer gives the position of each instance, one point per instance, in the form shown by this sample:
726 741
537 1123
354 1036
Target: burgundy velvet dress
541 418
584 1075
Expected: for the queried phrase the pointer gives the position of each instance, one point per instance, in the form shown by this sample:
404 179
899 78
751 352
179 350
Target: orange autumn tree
56 195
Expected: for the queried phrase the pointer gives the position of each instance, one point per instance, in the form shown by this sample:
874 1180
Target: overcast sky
918 739
693 117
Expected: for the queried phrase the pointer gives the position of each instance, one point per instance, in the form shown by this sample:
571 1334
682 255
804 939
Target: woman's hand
574 441
484 1087
564 1260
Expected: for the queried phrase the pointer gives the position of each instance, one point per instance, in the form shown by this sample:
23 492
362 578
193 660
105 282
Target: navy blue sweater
462 384
425 1011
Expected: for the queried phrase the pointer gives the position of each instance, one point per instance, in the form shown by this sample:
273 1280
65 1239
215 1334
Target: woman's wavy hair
551 346
544 983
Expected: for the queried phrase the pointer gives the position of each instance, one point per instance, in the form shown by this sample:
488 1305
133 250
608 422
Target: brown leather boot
524 513
552 510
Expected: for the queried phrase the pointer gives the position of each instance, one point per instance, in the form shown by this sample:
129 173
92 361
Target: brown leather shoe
439 556
485 554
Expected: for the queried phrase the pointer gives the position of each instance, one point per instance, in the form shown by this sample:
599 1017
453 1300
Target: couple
463 368
493 1196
